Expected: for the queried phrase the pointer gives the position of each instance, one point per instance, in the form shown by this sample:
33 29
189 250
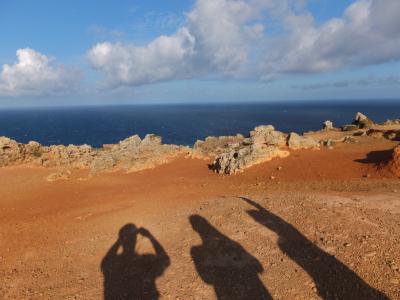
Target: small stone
370 254
279 168
272 177
347 244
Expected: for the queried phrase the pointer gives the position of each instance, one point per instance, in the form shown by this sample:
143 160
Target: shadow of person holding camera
128 275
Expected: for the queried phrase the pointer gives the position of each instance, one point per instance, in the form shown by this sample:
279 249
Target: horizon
219 51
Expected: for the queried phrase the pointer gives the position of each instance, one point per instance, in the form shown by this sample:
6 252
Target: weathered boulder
362 121
71 155
134 154
10 152
296 142
328 125
267 135
239 160
394 164
213 146
263 144
14 153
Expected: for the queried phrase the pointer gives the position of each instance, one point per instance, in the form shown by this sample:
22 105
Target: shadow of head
128 236
201 225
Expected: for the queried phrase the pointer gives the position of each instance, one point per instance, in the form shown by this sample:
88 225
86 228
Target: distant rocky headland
229 154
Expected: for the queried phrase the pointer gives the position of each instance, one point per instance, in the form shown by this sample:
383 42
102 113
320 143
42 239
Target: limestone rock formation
263 145
237 161
214 146
328 125
394 164
134 154
296 142
362 121
131 154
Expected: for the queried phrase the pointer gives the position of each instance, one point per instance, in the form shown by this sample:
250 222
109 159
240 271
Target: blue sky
89 52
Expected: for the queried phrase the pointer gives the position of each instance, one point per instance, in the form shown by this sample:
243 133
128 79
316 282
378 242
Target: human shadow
377 158
226 265
128 275
333 279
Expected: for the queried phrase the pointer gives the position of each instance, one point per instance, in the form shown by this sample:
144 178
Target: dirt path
325 225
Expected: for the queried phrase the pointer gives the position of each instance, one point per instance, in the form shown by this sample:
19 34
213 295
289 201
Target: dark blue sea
178 124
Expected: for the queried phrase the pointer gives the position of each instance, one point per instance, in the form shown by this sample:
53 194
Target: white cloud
366 34
35 74
165 58
214 40
233 38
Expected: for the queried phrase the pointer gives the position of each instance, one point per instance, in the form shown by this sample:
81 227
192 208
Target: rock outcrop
263 145
296 142
14 153
362 121
394 164
243 158
131 154
328 125
213 146
134 154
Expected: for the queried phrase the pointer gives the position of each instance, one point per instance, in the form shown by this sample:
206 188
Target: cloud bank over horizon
241 40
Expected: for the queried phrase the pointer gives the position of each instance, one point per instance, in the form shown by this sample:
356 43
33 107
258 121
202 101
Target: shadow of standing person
333 279
128 275
226 265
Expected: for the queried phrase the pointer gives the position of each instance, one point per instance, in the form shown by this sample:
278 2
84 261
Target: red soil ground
321 212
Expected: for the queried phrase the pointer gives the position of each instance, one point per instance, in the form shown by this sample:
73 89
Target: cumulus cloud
366 34
35 74
257 39
215 39
165 58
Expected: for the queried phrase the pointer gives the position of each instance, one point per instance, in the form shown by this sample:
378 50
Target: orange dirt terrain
318 224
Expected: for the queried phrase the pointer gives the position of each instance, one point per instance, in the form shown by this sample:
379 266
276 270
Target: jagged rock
394 164
263 145
236 161
362 121
213 146
328 125
71 155
392 122
266 134
10 152
13 153
296 142
134 154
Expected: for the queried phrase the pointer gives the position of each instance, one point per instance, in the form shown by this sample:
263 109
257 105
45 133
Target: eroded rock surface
213 146
134 154
264 144
394 164
131 154
362 121
296 142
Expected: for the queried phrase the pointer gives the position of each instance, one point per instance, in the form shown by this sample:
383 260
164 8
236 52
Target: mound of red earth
394 163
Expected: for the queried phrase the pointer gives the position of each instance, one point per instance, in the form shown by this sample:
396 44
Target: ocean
178 124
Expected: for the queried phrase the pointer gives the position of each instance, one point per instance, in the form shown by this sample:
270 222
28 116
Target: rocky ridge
231 154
